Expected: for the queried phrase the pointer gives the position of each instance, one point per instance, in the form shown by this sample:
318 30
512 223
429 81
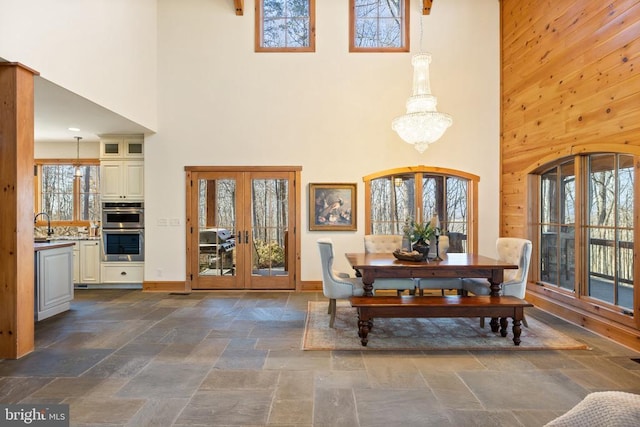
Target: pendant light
77 173
423 123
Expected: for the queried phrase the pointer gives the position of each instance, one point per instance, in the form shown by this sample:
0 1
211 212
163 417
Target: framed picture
332 207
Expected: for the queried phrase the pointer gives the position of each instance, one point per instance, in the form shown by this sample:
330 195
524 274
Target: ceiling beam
426 6
239 5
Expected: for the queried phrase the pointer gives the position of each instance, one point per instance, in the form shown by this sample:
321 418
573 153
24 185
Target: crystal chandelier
422 124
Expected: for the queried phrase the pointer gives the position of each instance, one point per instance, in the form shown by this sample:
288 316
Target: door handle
246 236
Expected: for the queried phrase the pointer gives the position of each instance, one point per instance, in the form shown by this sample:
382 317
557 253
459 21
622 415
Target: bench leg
516 331
364 326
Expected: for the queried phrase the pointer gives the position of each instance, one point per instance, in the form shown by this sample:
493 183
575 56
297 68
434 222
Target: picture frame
332 207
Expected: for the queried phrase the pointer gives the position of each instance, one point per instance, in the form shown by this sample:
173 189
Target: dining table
373 266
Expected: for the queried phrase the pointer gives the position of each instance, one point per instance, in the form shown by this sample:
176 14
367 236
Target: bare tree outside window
59 193
605 223
379 25
285 25
394 199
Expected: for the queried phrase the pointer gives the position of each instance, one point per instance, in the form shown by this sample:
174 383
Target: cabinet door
55 280
133 179
111 179
122 179
90 261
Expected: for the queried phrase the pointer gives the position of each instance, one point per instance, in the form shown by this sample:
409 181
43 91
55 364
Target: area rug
423 334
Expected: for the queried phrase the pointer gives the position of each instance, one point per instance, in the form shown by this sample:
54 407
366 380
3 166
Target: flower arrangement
415 231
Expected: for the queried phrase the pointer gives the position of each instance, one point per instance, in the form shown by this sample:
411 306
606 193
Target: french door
241 227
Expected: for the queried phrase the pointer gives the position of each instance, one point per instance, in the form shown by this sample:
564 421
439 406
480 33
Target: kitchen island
53 274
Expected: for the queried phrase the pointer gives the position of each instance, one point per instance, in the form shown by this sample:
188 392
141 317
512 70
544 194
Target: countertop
51 245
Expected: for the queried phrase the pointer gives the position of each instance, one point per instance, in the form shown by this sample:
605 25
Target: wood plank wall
570 83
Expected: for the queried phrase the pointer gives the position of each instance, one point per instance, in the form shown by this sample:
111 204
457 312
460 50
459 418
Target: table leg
367 282
503 326
495 326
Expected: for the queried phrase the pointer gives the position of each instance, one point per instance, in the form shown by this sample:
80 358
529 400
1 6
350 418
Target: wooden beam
16 210
426 6
239 5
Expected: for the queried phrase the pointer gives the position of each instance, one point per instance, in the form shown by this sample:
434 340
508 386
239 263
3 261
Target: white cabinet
122 168
122 148
53 281
122 272
122 179
89 261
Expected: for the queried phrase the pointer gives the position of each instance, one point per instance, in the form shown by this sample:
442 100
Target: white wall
220 103
102 50
66 150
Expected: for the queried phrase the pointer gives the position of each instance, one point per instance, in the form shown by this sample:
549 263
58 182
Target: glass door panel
216 233
271 221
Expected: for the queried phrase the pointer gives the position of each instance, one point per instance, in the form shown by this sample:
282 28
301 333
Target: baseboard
164 286
621 334
310 285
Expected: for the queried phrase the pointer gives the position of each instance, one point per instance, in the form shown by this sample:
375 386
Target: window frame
406 44
259 25
418 172
37 203
579 296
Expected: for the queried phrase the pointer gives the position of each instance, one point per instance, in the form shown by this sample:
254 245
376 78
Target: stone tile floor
128 358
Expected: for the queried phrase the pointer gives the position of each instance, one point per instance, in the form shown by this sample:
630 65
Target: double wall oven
122 231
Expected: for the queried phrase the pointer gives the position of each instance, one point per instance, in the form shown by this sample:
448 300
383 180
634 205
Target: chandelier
422 124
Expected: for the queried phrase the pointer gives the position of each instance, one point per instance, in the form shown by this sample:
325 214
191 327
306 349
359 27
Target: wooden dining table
455 265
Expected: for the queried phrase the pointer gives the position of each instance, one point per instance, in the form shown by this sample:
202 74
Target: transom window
285 26
67 198
419 193
585 228
379 25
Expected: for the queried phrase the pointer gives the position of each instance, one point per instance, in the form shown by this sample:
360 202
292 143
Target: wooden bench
447 306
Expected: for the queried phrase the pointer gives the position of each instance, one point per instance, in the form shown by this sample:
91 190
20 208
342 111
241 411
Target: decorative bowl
408 256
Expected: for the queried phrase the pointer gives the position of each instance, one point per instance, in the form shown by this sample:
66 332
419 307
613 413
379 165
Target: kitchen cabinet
122 148
89 261
53 279
122 179
122 272
122 168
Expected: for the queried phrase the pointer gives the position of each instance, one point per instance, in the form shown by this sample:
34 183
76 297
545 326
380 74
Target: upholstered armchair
514 251
386 243
335 285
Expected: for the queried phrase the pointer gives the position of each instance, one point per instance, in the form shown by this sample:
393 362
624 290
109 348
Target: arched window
419 193
585 230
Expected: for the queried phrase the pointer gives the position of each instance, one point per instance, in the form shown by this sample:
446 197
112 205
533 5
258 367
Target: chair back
515 251
382 243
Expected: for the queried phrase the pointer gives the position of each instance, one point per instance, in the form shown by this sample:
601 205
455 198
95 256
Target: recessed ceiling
56 110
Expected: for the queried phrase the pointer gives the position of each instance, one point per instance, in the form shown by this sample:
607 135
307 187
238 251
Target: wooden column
16 211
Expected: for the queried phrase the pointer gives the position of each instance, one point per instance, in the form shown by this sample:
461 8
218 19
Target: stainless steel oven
123 244
117 215
122 231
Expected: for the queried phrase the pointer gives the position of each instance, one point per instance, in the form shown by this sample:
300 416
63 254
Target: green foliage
268 255
418 230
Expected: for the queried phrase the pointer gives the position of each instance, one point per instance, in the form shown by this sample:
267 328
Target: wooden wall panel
570 77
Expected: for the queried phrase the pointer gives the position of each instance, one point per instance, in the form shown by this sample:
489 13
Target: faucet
35 220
